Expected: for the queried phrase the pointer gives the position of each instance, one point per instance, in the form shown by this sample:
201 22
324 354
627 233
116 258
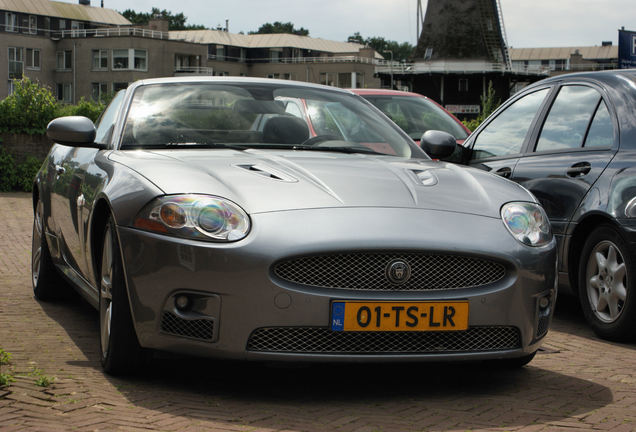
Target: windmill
466 30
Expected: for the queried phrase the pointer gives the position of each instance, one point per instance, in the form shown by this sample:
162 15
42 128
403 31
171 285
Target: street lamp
390 65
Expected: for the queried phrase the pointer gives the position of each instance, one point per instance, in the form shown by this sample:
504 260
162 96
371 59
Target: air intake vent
268 172
194 328
319 340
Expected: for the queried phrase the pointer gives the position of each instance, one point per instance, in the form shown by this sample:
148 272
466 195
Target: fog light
182 302
544 302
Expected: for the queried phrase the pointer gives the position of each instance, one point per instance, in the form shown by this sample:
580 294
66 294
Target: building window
274 55
140 60
327 78
11 87
33 24
220 52
99 91
65 92
62 24
123 58
64 60
10 22
463 85
77 29
119 86
33 58
100 59
16 63
344 79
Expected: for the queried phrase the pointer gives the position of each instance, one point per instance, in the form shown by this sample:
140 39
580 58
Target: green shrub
17 177
8 172
28 109
85 108
488 105
26 173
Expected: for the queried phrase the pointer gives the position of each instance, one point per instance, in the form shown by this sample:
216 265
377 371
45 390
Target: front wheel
47 283
606 285
119 347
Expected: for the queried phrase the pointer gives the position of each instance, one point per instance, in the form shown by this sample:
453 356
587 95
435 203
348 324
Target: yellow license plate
399 316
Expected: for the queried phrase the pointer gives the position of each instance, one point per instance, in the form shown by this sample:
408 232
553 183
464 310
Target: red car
414 113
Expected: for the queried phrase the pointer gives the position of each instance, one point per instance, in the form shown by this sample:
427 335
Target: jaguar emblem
398 271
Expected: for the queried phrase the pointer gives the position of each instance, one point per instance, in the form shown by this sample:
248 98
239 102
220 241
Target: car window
256 115
415 115
107 119
293 109
568 119
601 133
506 133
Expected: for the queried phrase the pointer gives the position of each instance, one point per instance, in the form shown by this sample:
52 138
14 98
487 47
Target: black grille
322 340
193 328
544 323
368 271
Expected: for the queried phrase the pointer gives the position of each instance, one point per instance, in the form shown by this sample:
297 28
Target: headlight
200 217
527 222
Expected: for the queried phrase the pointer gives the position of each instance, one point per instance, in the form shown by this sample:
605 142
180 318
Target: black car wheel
120 350
606 284
47 283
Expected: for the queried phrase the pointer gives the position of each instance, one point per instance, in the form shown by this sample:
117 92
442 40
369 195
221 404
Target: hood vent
424 177
266 171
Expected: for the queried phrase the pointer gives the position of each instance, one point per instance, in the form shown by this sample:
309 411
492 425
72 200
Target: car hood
278 180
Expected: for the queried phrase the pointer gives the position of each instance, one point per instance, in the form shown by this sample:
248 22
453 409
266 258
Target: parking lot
577 382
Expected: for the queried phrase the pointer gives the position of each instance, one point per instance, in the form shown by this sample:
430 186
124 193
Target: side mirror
73 130
438 144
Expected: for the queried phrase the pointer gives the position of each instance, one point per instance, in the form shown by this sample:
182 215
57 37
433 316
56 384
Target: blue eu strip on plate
337 316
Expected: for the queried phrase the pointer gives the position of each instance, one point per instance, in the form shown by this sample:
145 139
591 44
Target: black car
571 140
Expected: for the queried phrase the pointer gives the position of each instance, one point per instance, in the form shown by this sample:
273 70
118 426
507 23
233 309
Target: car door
75 189
498 146
568 152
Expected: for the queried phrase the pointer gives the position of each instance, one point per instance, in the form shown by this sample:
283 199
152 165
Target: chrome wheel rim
606 277
105 292
36 250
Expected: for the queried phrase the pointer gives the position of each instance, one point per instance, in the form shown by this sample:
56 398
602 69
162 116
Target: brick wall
23 145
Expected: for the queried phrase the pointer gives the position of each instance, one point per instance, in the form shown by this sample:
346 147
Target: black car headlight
527 222
199 217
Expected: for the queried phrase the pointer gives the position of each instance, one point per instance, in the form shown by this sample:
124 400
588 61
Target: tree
401 51
175 21
279 27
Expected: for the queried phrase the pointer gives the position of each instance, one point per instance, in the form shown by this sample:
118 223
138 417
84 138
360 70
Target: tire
47 283
606 285
120 351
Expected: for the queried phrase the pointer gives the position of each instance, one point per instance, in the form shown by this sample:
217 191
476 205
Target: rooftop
65 10
278 40
606 52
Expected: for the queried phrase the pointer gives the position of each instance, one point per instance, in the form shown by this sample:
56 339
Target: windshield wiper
339 149
198 145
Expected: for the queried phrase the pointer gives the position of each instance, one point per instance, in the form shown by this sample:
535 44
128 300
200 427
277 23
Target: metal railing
110 32
193 70
296 60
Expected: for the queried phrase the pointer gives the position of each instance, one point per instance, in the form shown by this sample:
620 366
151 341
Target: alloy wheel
606 281
105 294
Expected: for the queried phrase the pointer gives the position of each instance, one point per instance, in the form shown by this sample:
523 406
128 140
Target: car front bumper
240 308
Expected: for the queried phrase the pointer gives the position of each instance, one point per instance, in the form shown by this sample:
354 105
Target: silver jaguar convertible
214 217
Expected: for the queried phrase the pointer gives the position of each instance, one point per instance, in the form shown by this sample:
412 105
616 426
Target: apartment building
79 50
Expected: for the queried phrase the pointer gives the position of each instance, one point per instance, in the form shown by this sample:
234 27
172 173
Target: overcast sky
529 23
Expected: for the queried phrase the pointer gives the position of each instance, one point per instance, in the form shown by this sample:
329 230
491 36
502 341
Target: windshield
415 115
257 115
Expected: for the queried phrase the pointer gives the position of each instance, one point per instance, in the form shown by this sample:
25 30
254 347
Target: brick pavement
577 383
